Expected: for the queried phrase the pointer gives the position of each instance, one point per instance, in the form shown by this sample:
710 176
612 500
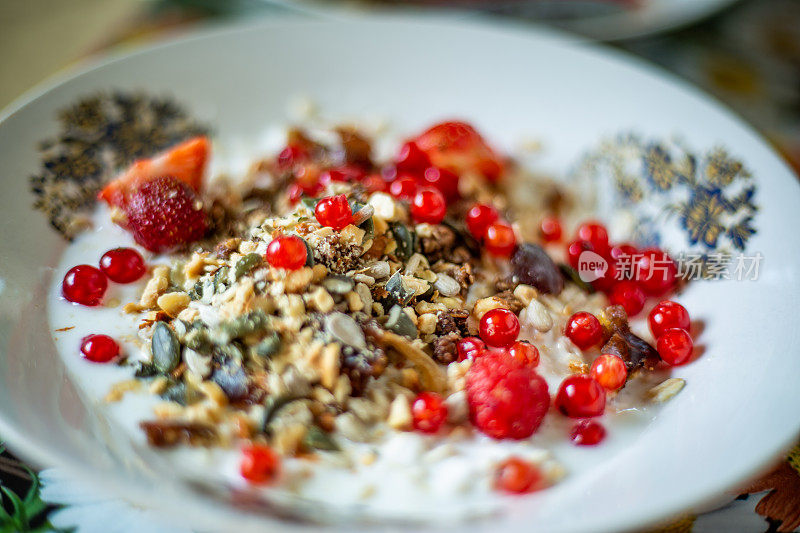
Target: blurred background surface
745 52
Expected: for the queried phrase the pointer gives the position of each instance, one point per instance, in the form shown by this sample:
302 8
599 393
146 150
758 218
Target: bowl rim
49 454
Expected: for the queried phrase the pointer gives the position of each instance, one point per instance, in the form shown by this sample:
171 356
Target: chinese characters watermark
686 266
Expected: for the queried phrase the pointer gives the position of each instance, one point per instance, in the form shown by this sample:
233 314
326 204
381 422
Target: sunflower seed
346 330
446 285
338 284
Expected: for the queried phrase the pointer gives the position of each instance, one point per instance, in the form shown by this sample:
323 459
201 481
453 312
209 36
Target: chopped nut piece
298 280
400 413
484 305
173 303
538 315
666 390
329 366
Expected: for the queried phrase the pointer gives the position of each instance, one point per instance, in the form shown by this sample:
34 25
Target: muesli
331 308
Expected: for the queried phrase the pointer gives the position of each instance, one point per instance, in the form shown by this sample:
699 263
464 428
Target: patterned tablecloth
749 57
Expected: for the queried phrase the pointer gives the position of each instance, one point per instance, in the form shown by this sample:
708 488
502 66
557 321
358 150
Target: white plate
740 407
598 20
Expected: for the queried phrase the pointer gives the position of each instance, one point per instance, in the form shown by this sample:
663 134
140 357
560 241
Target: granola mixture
330 304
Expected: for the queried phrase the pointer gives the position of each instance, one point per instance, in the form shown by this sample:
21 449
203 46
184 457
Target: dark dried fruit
642 354
165 434
453 321
444 348
613 319
361 365
231 378
532 266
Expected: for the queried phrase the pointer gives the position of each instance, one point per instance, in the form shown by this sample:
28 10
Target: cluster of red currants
86 285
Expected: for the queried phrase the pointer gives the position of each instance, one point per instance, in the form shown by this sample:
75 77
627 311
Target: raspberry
507 400
164 213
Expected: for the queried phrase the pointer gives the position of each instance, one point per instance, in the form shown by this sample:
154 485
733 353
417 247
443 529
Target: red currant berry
596 235
123 265
609 371
574 251
403 188
259 464
499 327
518 476
607 281
580 396
412 159
675 346
629 295
550 229
294 192
343 174
287 251
479 217
428 206
623 250
444 181
334 212
99 348
85 285
374 183
524 353
469 348
587 433
429 412
499 239
311 180
584 330
290 156
655 271
666 315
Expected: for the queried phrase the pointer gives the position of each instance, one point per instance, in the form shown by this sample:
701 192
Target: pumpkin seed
145 370
336 284
346 330
180 393
246 264
241 326
316 439
269 346
398 293
401 323
165 347
196 292
406 239
572 275
221 278
272 405
309 253
309 203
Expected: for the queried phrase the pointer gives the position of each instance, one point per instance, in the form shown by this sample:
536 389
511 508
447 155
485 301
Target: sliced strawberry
458 147
185 162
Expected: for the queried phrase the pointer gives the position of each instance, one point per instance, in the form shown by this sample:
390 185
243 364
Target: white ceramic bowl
740 406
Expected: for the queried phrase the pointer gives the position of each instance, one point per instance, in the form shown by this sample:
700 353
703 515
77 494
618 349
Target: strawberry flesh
185 162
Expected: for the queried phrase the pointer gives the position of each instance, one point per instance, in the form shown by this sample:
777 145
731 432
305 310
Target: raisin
532 266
